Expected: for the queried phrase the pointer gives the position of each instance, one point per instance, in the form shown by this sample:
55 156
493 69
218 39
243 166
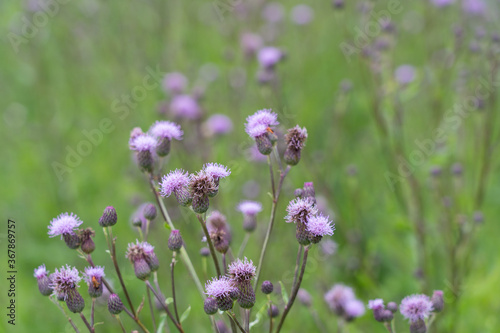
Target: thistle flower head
64 224
166 129
40 272
218 124
202 184
174 82
144 142
338 296
115 305
219 231
217 171
240 271
109 217
250 208
376 304
261 122
92 273
295 137
137 251
65 279
353 309
300 210
320 225
416 307
185 106
173 182
269 56
219 287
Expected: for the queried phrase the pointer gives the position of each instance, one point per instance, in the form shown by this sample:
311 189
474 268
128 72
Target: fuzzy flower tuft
143 142
261 122
136 251
219 287
217 171
202 184
320 225
296 137
40 272
173 182
250 208
64 224
241 270
416 307
94 272
300 210
376 304
65 279
166 129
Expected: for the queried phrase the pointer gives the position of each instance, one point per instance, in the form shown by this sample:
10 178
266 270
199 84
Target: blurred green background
63 80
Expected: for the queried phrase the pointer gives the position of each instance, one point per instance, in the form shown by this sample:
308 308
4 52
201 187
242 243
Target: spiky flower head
210 306
64 224
261 123
416 307
144 142
295 137
300 210
135 251
44 280
249 208
150 256
115 305
93 277
65 279
353 309
221 289
437 301
201 186
166 129
175 240
338 296
176 182
240 271
109 217
217 171
87 243
267 287
319 226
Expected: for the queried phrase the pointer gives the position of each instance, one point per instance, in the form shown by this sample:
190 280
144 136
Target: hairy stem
243 244
120 322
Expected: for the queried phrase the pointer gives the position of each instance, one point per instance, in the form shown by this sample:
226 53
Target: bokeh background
62 75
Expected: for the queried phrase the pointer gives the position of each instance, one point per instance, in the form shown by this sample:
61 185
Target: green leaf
169 300
185 314
167 226
162 323
284 294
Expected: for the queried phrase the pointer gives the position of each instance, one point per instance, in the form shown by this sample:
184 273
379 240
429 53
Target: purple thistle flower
174 182
40 272
143 142
240 271
64 224
64 280
273 12
166 129
376 304
269 56
320 225
416 307
217 171
174 83
94 272
302 14
353 309
300 210
405 74
249 208
219 287
338 297
218 124
185 106
296 137
474 7
258 123
442 3
135 251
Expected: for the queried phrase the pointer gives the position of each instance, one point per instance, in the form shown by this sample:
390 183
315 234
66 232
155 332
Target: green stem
210 244
65 314
159 298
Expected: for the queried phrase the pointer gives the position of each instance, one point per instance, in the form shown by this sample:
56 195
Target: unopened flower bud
273 312
210 306
264 144
418 326
392 306
44 286
152 261
141 269
163 147
437 301
72 240
109 217
88 245
175 240
387 315
204 251
309 191
298 193
267 287
74 301
149 211
200 204
115 305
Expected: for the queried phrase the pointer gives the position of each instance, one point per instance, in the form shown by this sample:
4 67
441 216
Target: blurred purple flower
185 106
250 43
166 129
218 124
269 56
250 208
302 14
404 74
416 307
273 12
144 142
474 7
442 3
174 83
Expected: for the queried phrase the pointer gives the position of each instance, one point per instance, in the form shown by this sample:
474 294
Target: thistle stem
92 311
247 320
294 291
184 255
65 314
210 244
232 316
297 265
224 265
120 322
151 309
91 329
243 244
158 297
172 266
388 326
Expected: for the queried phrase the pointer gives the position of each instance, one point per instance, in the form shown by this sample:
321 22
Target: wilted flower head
135 251
300 210
65 279
405 74
143 142
302 14
416 307
174 83
269 56
219 232
241 270
64 224
320 225
338 297
218 124
166 129
87 243
185 106
173 182
142 256
296 137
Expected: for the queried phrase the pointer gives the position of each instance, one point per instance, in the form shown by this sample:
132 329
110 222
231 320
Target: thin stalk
270 226
297 266
92 311
224 265
146 233
247 320
65 314
210 244
243 244
169 314
151 309
270 317
269 162
388 326
232 316
172 265
120 322
294 291
184 255
91 329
